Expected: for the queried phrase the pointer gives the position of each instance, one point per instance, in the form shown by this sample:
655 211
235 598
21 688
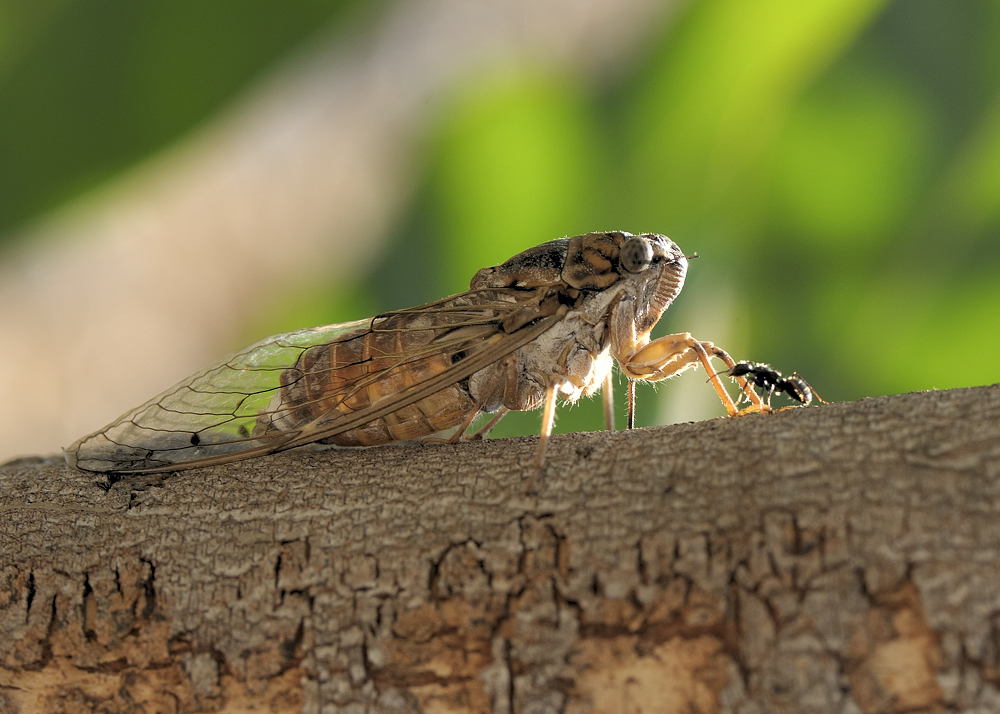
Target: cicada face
648 269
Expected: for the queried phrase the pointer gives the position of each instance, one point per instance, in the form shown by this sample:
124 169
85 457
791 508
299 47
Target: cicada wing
475 357
211 417
297 388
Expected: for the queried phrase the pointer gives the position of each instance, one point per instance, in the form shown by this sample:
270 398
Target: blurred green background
835 163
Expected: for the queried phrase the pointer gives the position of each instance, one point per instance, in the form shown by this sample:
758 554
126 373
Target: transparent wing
312 384
211 413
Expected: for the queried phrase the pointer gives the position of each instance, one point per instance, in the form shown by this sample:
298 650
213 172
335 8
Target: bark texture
840 558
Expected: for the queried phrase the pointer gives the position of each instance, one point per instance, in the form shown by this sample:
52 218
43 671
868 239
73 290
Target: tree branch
817 559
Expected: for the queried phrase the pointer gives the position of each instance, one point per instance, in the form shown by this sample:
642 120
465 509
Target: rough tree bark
843 558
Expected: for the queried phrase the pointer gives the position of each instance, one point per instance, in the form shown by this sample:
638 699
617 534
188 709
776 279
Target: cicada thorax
583 275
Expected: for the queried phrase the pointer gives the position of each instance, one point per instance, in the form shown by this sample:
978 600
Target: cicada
550 322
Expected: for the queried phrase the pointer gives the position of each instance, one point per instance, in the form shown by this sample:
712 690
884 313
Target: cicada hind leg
489 393
461 432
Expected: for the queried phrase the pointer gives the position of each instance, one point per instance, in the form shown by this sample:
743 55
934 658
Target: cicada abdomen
335 381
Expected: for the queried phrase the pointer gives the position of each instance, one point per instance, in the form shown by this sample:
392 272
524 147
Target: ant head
741 369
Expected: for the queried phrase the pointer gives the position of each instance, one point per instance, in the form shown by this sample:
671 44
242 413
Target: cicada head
648 268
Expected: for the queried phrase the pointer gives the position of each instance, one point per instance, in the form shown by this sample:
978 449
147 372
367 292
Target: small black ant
770 380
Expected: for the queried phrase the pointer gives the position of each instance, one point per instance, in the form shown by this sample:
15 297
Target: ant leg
746 388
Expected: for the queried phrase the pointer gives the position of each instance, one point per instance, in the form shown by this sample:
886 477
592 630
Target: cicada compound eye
636 254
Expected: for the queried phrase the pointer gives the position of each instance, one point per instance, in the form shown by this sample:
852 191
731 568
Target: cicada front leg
670 355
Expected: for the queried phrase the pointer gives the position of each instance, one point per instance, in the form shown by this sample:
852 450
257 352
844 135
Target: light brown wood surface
843 558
